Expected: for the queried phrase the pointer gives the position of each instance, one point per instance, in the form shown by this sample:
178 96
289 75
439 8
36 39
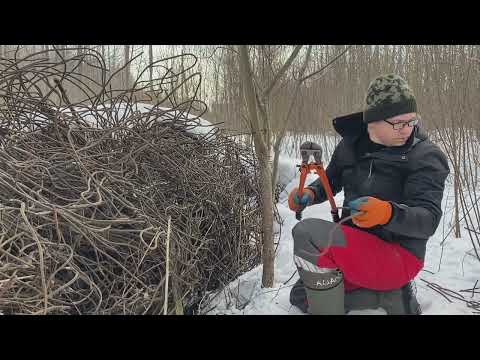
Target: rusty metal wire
452 296
89 177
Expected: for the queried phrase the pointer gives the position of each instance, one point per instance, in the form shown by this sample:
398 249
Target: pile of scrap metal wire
98 192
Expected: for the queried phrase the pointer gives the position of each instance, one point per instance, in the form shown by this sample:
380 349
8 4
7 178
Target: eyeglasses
401 125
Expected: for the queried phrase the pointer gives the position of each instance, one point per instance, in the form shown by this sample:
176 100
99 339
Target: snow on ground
451 264
191 123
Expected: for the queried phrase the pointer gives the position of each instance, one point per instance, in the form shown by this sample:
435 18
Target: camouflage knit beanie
388 96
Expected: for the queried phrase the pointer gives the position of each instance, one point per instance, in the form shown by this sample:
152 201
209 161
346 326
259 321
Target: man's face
381 132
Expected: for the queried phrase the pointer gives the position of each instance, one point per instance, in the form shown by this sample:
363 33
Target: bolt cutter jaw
308 149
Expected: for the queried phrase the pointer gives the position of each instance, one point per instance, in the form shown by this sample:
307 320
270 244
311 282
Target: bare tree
260 125
150 62
283 126
126 79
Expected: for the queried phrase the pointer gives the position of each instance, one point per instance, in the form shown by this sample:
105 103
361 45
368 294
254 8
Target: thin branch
250 97
326 66
296 91
282 71
167 267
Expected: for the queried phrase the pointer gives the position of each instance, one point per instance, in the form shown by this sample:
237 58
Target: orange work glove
371 211
298 201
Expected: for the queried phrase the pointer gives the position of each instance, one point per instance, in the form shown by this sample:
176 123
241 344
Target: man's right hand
298 201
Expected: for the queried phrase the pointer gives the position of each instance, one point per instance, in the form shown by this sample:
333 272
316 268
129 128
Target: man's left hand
369 211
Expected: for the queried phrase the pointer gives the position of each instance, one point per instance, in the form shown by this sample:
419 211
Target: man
393 179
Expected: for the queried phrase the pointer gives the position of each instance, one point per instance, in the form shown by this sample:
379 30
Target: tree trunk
63 51
109 59
150 53
276 158
457 216
263 152
126 72
80 52
268 254
183 90
47 53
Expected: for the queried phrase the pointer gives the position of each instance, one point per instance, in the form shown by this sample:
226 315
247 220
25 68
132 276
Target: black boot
395 302
412 307
298 296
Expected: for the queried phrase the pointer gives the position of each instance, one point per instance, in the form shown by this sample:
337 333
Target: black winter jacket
411 177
